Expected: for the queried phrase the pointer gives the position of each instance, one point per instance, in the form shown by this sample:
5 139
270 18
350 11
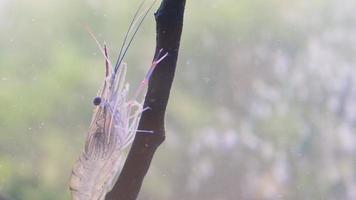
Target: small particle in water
206 79
41 125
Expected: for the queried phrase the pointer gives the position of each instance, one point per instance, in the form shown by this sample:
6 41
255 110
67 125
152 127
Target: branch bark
169 23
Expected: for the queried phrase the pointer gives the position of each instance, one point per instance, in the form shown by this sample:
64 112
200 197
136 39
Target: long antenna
133 36
128 31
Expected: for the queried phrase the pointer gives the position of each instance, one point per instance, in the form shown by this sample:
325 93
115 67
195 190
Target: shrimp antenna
128 31
133 36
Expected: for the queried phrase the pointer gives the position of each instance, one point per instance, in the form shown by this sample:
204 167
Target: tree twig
169 23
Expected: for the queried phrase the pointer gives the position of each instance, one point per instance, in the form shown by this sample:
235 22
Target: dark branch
169 23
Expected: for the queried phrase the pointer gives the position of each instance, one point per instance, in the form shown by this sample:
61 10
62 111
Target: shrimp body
112 129
113 125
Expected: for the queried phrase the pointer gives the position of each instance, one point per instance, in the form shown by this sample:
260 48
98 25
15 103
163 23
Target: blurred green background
263 105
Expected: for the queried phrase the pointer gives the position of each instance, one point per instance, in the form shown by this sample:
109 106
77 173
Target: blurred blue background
263 105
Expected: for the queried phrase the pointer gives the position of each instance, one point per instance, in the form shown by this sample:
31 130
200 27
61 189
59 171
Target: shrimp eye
97 101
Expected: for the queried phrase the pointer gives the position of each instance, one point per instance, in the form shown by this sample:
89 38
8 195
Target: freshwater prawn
114 123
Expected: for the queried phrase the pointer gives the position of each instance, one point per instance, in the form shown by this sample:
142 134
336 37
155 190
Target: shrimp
113 125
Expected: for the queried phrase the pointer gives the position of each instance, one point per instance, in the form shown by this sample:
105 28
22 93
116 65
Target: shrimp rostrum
113 126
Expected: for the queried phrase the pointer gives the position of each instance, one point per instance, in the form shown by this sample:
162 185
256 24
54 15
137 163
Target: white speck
206 79
4 79
41 125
